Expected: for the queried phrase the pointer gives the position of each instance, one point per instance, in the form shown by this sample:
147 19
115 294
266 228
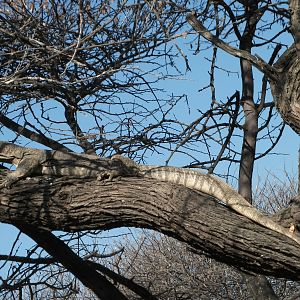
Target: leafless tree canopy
98 77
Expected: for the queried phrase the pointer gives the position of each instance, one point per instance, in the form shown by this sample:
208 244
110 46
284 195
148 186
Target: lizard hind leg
26 167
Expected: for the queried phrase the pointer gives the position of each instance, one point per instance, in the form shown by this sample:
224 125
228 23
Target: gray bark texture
286 90
71 204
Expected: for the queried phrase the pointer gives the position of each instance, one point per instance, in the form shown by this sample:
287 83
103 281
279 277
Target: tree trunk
286 90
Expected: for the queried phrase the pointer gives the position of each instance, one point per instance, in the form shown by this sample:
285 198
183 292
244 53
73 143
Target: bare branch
258 62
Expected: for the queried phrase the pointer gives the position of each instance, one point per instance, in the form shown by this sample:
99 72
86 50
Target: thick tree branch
295 22
103 288
286 90
72 205
129 283
139 290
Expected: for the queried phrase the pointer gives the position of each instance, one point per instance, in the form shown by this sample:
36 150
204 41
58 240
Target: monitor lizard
31 162
210 185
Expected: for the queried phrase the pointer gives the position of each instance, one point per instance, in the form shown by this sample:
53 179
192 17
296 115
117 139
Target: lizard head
10 153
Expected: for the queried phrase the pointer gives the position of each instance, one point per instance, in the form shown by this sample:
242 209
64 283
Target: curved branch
258 62
36 137
70 114
102 287
138 289
79 204
232 18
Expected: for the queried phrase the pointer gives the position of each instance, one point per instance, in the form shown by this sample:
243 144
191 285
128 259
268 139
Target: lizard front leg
108 175
122 166
26 167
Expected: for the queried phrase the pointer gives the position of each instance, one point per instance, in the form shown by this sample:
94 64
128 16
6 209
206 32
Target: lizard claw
108 175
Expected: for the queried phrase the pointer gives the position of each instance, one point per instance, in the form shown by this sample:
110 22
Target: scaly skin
55 163
30 162
210 185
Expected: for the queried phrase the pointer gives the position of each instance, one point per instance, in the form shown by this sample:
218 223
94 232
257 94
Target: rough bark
295 22
286 90
71 205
